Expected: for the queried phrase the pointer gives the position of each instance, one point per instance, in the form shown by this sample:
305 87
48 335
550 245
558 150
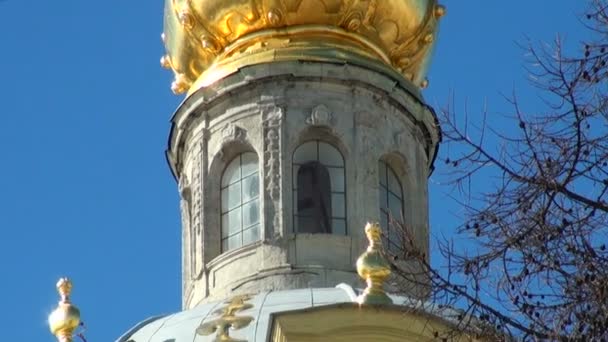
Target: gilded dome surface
208 39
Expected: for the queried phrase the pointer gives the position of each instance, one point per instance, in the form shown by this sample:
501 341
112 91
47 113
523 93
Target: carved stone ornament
233 132
228 320
272 121
320 116
272 150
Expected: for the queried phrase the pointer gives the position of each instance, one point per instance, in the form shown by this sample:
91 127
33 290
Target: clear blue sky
84 187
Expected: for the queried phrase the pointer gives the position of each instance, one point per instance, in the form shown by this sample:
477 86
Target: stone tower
303 120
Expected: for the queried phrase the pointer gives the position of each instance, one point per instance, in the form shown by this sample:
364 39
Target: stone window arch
391 203
319 189
240 202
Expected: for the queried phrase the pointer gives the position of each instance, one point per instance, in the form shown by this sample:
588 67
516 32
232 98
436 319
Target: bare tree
538 266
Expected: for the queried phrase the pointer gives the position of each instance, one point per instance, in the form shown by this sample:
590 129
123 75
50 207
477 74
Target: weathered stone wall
271 110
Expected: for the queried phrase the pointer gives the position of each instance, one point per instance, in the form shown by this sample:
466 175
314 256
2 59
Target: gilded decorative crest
228 320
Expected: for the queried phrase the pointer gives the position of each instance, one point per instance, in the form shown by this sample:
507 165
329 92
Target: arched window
319 189
391 205
240 202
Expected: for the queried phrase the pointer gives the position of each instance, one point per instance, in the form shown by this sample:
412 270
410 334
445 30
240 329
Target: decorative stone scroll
272 120
320 116
228 319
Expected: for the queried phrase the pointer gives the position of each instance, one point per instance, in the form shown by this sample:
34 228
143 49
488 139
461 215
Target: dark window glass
314 199
319 189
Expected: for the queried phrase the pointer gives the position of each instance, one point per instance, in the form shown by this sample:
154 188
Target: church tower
302 121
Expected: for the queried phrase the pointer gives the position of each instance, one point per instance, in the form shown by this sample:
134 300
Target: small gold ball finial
165 62
440 11
180 85
428 39
373 268
66 317
274 17
424 84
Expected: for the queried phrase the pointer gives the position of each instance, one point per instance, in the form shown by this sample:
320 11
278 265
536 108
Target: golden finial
373 267
66 317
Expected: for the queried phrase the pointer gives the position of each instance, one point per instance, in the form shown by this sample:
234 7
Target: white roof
182 326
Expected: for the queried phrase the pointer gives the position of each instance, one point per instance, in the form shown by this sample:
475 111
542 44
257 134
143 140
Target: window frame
341 165
384 203
242 203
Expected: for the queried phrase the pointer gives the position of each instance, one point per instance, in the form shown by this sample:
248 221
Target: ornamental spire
66 317
373 268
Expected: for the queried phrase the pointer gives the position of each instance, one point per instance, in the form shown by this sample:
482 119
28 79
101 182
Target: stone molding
401 93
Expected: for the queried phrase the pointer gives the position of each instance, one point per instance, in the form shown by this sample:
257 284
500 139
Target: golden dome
209 39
